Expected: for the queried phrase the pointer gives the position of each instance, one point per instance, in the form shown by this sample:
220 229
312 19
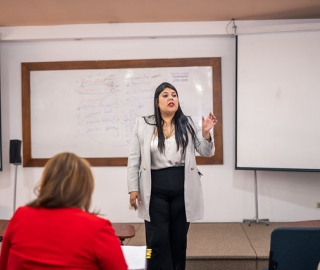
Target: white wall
229 194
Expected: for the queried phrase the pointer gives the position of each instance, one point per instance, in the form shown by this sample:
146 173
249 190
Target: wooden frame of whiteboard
26 68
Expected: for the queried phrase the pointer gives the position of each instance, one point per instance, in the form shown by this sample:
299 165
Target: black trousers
166 233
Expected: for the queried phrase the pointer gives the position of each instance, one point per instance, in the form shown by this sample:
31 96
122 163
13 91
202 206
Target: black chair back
294 248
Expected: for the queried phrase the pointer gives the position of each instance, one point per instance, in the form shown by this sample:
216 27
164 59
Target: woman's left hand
208 123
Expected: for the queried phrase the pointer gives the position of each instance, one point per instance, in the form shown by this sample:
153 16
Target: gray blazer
139 169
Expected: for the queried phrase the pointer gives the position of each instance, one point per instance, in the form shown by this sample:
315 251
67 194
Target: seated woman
56 230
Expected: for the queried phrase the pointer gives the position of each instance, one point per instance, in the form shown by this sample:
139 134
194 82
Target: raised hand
207 124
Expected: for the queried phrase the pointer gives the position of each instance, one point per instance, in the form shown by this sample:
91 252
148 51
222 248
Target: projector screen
278 101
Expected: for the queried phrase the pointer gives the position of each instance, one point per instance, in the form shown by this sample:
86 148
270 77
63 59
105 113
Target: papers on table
135 257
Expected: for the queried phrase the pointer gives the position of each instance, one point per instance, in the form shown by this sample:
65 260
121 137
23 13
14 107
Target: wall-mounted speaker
15 152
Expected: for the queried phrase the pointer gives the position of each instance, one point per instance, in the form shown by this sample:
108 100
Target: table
123 230
3 226
306 223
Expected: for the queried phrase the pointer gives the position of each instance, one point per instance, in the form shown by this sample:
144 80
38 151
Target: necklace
168 131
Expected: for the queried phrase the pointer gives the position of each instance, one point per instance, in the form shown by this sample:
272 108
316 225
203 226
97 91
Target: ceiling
57 12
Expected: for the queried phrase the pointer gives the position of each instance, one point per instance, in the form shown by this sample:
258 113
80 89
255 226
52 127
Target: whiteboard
278 95
89 107
92 112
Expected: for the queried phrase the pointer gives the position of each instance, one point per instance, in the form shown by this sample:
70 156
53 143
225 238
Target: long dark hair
181 122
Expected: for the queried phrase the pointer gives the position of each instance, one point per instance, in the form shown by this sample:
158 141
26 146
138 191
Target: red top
68 238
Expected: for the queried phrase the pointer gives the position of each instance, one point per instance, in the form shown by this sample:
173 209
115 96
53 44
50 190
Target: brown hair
67 181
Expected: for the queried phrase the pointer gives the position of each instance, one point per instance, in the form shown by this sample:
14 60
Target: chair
294 248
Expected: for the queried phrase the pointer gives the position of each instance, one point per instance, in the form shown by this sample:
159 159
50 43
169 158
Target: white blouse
170 158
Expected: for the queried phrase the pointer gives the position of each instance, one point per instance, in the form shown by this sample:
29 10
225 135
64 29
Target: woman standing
163 180
56 230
